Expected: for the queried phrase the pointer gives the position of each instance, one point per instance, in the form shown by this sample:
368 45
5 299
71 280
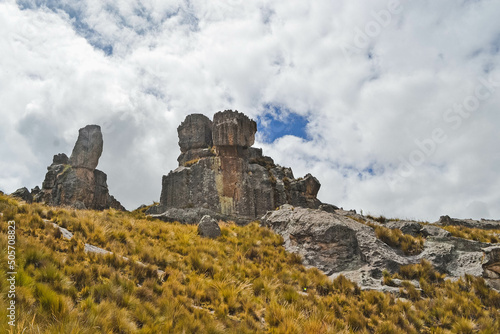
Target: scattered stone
208 227
24 194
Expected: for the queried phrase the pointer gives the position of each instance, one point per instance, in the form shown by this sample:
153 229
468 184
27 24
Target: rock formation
208 227
75 181
220 174
485 224
24 194
338 243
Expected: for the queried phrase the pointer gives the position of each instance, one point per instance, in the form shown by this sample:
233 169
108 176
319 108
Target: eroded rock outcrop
221 173
338 243
485 224
75 181
24 194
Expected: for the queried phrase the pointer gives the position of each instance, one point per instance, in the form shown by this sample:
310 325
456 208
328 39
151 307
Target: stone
485 224
434 231
407 227
330 242
88 148
230 179
208 227
231 128
60 159
195 132
75 182
337 244
24 194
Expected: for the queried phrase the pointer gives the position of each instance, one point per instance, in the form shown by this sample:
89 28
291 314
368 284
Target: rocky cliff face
221 173
75 181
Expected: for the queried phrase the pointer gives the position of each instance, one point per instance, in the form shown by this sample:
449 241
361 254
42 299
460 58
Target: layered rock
221 173
337 243
75 181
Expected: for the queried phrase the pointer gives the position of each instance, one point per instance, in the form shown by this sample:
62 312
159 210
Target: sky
393 105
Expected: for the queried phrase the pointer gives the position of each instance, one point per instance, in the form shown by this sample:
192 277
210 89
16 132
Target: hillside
165 278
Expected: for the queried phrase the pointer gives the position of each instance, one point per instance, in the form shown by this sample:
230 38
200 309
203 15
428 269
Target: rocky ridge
222 175
75 181
338 243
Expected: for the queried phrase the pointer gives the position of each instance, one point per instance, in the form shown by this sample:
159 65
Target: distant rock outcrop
24 194
337 243
485 224
222 174
75 181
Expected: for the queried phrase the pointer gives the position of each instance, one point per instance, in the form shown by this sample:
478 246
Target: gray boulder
208 227
195 132
88 148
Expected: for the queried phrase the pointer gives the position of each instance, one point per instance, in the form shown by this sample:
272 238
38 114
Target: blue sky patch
279 121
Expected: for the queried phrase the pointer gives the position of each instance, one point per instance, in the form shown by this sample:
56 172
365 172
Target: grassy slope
243 282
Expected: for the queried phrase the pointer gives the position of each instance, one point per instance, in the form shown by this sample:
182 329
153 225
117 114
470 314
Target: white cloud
138 68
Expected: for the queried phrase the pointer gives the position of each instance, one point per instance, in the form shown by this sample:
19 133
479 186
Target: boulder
24 194
434 231
208 227
231 128
88 148
195 132
331 242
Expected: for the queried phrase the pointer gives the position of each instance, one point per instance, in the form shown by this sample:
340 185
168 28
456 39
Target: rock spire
75 181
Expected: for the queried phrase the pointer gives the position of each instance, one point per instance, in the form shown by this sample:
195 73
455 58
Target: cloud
370 83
